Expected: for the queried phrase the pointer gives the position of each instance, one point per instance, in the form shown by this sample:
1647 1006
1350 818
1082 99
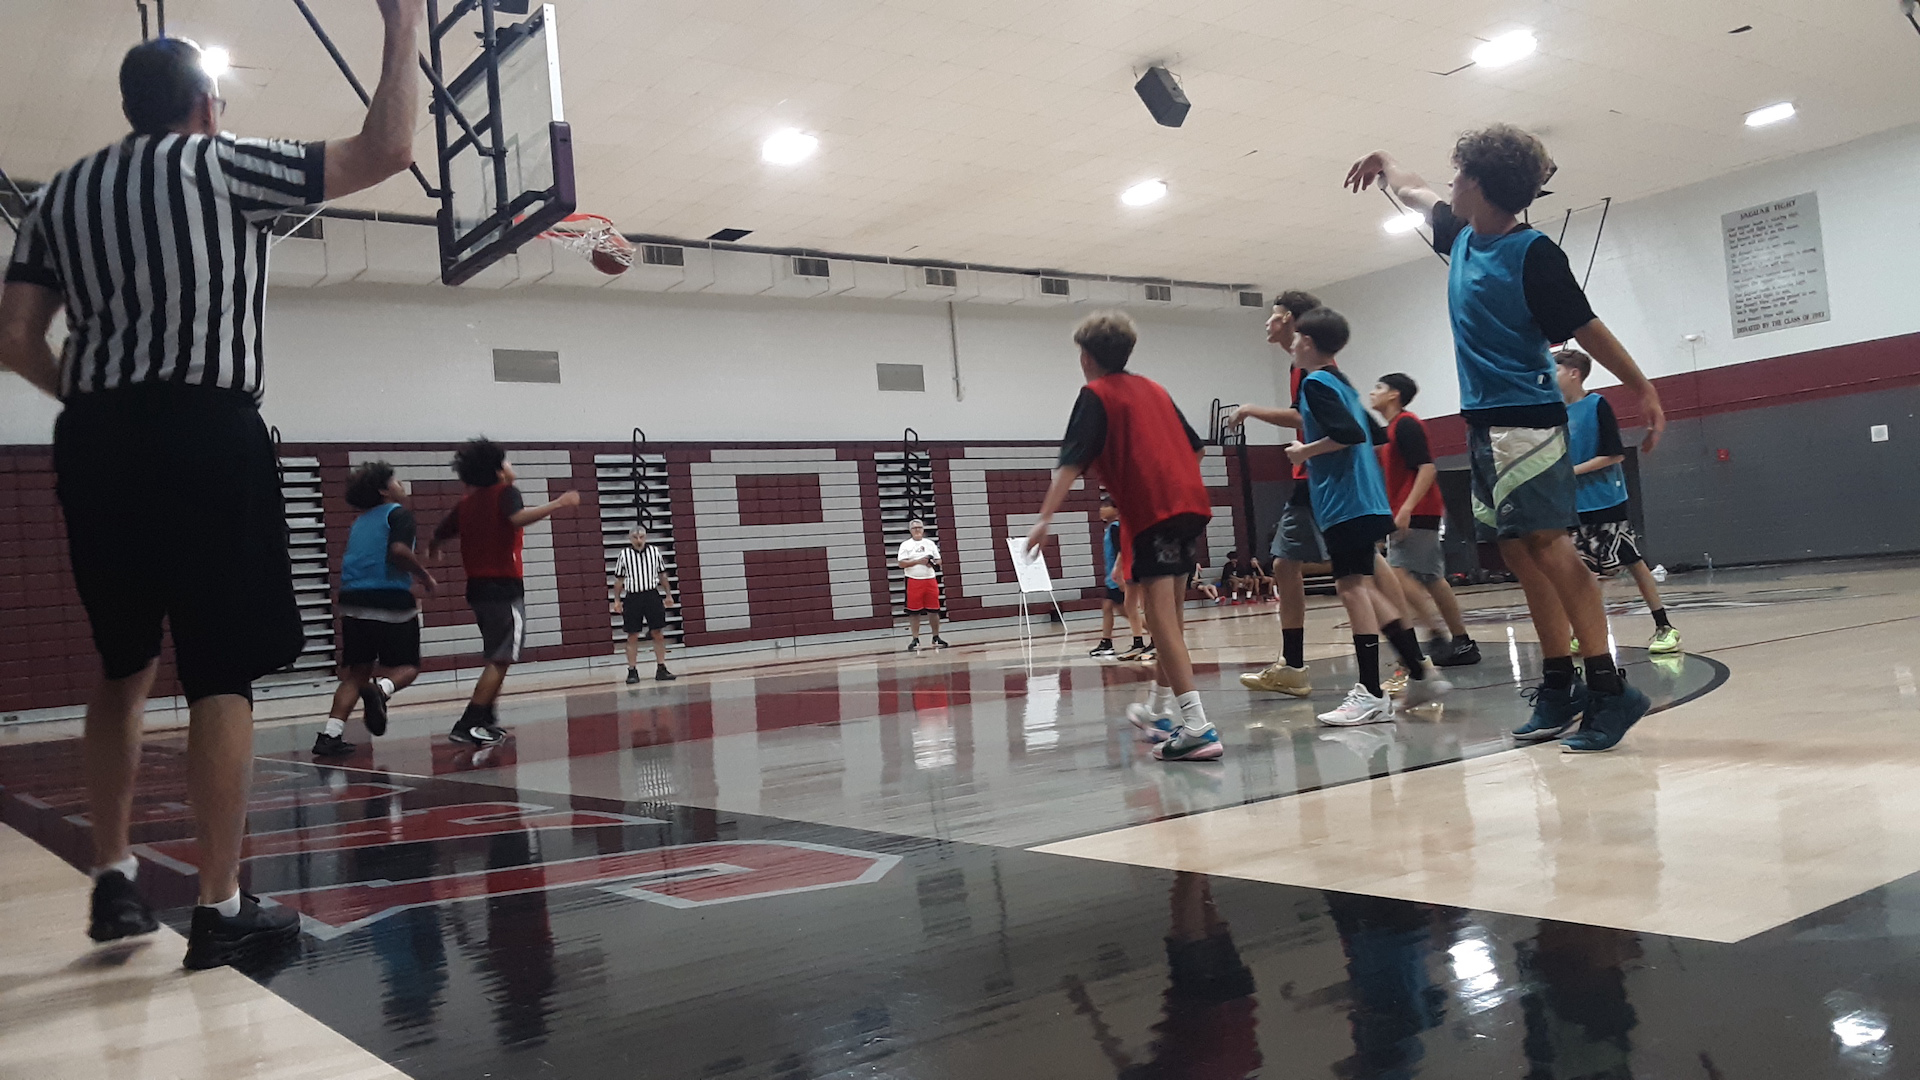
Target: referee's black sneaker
118 911
373 705
255 933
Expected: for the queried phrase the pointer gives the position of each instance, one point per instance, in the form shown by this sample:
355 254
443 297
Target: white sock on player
1193 715
128 867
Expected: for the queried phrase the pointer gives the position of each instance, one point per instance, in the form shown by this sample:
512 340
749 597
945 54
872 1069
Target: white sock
336 727
229 907
386 685
1160 700
128 867
1193 715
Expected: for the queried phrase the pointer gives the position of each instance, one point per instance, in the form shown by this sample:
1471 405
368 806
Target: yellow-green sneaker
1665 640
1278 678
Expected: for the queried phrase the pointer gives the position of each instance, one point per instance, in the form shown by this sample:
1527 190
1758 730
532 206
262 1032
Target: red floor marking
458 822
685 876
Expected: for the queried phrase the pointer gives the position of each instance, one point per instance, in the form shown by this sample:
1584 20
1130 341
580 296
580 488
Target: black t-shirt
1554 297
1410 442
1331 414
401 527
1610 446
1087 429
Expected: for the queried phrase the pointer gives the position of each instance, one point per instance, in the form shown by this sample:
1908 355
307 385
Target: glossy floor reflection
825 870
653 940
975 751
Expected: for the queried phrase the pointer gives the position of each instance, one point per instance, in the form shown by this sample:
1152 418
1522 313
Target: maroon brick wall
817 560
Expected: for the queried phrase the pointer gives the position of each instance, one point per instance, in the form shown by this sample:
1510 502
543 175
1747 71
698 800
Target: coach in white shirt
918 556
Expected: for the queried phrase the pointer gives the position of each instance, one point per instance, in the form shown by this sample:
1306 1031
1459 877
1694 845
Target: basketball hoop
594 238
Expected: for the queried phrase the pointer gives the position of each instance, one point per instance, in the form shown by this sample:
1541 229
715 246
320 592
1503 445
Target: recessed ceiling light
788 146
1772 114
1404 223
1144 192
1505 49
215 61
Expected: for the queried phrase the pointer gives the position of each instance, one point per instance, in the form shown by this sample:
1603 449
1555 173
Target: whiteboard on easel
1030 570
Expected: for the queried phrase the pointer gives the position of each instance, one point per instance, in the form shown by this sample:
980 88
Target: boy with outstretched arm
379 619
1510 294
1350 501
489 523
1126 430
1413 551
1605 538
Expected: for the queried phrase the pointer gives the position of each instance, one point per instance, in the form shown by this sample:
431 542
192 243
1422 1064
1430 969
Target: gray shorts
1417 551
503 629
1298 537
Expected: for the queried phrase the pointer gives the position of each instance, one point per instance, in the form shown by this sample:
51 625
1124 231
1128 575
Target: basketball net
586 234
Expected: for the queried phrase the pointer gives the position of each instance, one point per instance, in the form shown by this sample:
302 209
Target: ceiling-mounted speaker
1163 97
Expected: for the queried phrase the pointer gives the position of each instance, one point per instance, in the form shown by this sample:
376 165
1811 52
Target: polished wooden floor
1789 788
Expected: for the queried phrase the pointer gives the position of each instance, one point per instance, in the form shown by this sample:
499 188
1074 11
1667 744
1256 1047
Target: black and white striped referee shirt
640 569
158 244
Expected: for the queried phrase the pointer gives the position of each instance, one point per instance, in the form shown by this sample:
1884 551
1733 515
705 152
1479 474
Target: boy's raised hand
1366 171
568 498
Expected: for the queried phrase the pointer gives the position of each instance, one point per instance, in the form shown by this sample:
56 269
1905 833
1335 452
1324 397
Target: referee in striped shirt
156 248
642 595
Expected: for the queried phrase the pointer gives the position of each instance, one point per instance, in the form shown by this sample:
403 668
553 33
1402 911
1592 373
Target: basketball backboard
506 154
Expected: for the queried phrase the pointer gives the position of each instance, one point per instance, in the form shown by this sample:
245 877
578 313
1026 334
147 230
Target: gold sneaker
1278 678
1395 684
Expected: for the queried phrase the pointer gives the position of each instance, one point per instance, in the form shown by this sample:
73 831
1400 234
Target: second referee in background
643 595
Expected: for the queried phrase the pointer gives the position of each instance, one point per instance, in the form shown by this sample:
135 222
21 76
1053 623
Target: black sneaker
325 745
1438 649
914 645
1105 648
1460 654
117 910
939 644
373 705
633 676
479 733
216 940
661 674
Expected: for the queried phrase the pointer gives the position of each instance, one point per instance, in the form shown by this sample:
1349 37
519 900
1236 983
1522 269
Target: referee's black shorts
173 511
643 612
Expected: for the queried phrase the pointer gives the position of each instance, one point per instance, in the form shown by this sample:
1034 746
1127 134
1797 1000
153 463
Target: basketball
610 264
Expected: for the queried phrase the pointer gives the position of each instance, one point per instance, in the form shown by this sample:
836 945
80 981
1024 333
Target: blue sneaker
1554 711
1153 728
1608 718
1185 747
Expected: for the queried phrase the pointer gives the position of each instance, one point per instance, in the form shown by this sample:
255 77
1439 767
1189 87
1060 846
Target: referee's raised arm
156 246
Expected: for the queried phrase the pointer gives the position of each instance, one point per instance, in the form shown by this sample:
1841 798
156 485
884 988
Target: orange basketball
606 263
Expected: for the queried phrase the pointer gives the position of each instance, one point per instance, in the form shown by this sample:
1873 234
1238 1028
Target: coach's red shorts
923 594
